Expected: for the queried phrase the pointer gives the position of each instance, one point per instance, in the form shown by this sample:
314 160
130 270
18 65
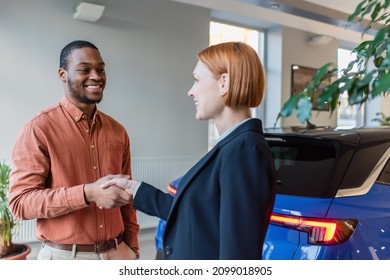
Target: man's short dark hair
69 48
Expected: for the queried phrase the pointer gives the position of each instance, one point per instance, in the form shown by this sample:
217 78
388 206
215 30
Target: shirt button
87 130
95 167
101 226
93 146
167 250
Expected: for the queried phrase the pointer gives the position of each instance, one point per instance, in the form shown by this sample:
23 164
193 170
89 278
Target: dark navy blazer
223 204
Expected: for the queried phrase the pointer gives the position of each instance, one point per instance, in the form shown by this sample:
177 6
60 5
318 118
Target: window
219 33
304 167
347 116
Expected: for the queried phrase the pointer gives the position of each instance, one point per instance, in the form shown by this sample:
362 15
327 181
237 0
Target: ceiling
346 6
332 12
314 16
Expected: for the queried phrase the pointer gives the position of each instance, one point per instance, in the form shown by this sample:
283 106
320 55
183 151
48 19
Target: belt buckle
101 246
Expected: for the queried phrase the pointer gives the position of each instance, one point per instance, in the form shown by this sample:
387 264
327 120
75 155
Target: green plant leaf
357 11
368 9
289 107
304 110
328 95
381 84
376 11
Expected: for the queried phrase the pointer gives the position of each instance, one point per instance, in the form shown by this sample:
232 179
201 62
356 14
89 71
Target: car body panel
371 239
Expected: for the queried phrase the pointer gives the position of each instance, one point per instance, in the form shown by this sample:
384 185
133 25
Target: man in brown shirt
62 156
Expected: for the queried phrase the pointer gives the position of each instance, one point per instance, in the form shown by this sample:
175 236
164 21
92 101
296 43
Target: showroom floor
145 238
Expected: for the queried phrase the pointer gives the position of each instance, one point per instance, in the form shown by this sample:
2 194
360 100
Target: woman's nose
190 92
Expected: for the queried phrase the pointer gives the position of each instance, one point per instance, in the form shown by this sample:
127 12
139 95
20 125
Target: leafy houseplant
382 119
8 250
6 219
370 80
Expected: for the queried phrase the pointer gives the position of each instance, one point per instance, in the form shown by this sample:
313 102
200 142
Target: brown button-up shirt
54 155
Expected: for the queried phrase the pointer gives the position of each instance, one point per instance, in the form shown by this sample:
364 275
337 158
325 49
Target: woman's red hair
242 64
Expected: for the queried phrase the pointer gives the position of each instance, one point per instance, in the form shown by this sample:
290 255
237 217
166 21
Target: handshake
122 181
111 191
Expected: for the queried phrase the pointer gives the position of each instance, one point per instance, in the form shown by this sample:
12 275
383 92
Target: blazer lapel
190 174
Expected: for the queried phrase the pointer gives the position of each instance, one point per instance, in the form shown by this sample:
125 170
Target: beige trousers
122 253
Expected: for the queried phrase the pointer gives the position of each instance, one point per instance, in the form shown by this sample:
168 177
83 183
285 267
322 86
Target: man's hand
123 183
107 197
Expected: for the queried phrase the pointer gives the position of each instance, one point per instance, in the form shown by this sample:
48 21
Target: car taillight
320 231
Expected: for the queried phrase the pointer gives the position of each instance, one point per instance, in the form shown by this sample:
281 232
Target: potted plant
8 250
370 80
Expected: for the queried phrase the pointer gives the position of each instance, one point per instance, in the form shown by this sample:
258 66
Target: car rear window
304 167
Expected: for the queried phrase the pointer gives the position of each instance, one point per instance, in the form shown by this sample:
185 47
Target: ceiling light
319 40
89 12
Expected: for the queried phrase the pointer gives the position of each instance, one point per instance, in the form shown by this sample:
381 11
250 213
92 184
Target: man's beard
82 98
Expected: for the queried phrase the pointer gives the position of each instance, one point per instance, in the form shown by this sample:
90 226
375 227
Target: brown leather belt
97 248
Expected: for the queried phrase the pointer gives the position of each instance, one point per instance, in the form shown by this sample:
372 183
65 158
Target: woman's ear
224 82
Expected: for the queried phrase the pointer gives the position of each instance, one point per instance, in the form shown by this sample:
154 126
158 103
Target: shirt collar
230 130
74 111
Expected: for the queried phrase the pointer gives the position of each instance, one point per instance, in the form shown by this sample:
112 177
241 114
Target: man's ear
224 84
62 74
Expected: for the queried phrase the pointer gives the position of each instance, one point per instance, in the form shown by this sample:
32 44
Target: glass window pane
303 169
347 116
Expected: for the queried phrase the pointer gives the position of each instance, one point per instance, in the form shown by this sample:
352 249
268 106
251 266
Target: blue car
333 195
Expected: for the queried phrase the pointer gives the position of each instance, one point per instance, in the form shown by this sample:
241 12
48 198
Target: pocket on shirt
114 157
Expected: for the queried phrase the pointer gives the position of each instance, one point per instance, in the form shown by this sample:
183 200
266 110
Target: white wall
149 47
